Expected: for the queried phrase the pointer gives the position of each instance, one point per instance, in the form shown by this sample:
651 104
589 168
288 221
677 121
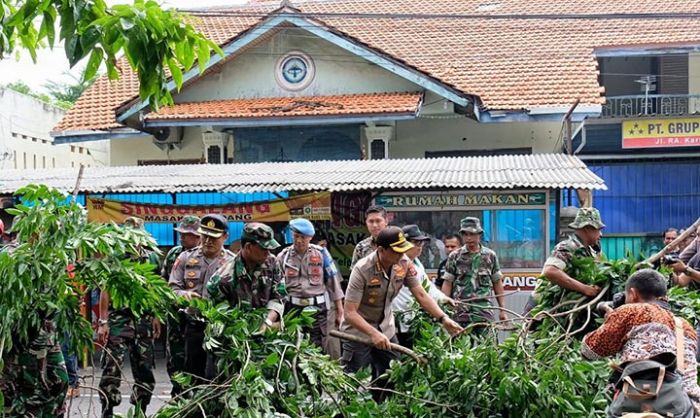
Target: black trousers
357 356
195 355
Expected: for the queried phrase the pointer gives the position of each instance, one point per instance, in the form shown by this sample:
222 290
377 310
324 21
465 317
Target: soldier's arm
427 303
497 281
331 277
355 257
554 272
166 261
563 280
449 275
176 281
278 293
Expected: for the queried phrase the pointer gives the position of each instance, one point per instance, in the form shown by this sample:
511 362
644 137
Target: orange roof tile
485 48
356 104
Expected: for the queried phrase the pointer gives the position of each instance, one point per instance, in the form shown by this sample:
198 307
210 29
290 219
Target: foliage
66 94
278 373
22 87
154 41
60 255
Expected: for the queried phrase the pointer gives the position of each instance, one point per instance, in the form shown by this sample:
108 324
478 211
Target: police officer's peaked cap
213 225
188 225
392 238
302 226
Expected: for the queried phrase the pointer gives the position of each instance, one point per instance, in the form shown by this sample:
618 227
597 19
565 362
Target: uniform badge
315 258
375 280
371 300
191 274
399 270
190 284
193 261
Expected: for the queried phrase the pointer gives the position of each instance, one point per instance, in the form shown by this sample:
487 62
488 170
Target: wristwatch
442 318
102 322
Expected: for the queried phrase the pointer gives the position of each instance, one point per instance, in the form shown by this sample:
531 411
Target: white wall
25 143
252 74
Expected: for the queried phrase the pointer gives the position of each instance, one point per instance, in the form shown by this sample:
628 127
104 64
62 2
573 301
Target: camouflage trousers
127 334
175 349
34 379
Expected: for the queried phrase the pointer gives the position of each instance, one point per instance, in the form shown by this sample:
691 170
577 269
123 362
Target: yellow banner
661 133
313 206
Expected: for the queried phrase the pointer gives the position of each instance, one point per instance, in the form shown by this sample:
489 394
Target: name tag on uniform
191 274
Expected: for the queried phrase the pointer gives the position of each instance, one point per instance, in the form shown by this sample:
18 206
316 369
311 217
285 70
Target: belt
316 300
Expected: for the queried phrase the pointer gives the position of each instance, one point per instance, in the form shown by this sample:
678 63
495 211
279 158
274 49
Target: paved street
88 404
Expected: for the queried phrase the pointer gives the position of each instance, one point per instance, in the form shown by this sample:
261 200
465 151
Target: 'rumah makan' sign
314 206
661 133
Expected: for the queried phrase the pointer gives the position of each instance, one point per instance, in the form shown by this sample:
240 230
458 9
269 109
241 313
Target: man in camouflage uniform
376 221
583 242
252 279
309 272
189 277
175 346
472 272
34 380
121 332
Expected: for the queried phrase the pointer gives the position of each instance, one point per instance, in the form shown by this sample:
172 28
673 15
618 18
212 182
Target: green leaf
175 72
203 54
93 64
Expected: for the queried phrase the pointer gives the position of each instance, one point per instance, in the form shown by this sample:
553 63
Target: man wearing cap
376 221
309 272
471 273
583 242
374 283
403 303
253 278
175 345
191 272
121 332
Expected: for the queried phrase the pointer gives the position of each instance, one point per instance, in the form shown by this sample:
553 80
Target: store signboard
661 133
460 200
523 281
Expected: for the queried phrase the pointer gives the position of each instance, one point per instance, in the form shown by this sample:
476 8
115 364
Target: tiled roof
542 171
356 104
512 54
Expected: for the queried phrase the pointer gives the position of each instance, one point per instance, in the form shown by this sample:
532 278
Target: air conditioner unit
216 147
169 138
378 141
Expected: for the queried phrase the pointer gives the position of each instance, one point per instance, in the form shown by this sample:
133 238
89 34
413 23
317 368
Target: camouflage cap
188 225
133 222
261 234
587 217
471 225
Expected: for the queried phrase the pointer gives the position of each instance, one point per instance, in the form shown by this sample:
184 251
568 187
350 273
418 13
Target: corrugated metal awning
542 171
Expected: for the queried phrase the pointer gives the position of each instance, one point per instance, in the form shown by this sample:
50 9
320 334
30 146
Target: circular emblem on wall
295 71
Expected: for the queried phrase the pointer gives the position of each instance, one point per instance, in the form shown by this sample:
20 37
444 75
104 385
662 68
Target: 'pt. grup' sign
661 133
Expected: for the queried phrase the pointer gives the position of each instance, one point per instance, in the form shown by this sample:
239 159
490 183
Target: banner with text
458 200
313 206
661 133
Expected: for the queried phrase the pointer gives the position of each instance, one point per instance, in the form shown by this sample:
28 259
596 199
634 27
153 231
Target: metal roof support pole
568 139
173 199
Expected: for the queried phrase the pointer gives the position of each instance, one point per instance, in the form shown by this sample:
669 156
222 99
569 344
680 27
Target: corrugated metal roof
554 171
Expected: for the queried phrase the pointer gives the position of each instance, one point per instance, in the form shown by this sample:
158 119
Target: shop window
518 236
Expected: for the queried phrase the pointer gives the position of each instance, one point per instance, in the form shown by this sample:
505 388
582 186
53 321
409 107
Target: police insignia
192 261
190 284
191 274
375 280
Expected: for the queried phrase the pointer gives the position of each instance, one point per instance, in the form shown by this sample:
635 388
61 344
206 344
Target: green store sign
457 200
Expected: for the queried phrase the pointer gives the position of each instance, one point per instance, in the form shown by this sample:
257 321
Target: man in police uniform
309 272
122 333
587 228
175 345
374 283
472 272
191 272
376 221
